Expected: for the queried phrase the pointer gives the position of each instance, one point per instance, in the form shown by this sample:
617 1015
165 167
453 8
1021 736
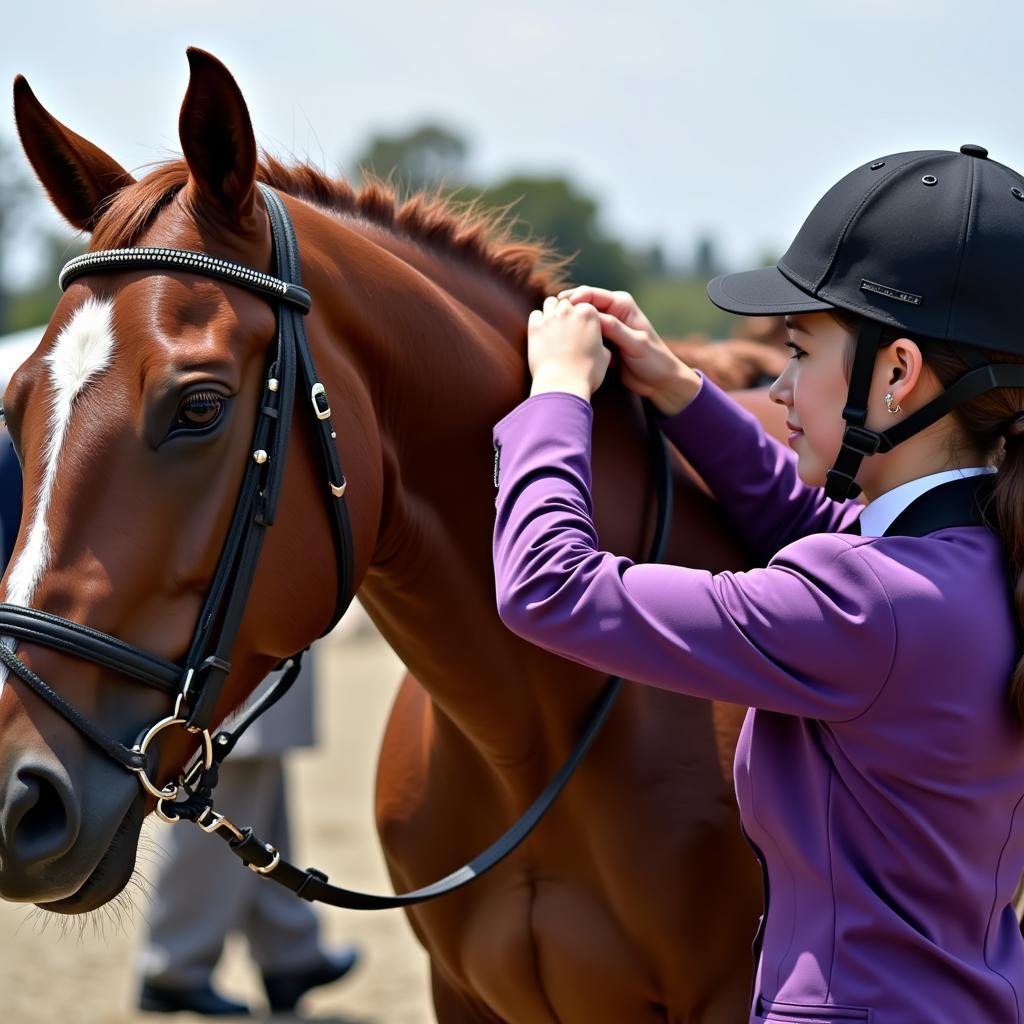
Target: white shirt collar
880 514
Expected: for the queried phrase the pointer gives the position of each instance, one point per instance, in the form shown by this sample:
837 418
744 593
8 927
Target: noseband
196 684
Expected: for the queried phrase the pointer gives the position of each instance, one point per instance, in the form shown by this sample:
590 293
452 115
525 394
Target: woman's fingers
620 304
600 298
612 328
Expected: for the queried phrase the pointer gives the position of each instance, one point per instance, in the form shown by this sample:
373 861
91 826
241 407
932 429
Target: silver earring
888 404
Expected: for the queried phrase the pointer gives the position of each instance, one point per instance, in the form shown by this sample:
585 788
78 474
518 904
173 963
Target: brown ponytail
991 432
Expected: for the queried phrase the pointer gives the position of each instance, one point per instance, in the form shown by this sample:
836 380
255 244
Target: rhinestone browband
151 257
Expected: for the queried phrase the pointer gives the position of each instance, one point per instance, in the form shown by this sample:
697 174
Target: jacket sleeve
811 635
753 475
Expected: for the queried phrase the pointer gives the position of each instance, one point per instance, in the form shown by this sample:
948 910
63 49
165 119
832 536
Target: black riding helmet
928 244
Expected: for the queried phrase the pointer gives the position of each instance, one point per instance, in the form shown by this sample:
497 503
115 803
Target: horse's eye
199 411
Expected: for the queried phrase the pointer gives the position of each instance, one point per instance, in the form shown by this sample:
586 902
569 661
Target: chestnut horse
636 898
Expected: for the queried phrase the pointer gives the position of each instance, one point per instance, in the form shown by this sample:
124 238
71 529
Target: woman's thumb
624 337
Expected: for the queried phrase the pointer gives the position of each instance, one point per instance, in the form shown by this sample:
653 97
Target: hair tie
1014 428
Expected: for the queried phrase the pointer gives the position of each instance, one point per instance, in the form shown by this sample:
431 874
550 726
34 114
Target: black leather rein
196 685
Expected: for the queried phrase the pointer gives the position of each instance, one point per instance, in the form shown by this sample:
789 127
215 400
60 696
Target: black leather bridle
197 684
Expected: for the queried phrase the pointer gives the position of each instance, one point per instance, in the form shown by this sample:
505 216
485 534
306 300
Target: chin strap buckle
858 441
861 440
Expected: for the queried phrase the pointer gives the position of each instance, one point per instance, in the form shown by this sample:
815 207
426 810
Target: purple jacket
879 773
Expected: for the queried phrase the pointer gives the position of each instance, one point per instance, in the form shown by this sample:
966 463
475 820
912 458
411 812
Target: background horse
636 898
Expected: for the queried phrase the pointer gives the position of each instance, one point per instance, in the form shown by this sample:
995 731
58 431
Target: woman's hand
648 366
566 351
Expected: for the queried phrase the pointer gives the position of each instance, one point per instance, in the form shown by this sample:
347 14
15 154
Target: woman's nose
776 390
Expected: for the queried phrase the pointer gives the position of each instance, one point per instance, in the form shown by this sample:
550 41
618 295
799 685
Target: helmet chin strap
859 441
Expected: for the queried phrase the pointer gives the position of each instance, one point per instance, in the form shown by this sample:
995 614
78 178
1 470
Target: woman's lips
795 432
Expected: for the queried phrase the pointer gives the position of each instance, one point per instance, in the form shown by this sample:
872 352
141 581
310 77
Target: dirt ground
85 976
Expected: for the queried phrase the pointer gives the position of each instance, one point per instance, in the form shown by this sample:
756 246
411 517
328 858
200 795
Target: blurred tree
550 209
705 258
35 303
17 195
678 307
555 211
423 158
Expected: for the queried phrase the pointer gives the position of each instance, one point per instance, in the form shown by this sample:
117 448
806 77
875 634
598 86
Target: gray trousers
201 891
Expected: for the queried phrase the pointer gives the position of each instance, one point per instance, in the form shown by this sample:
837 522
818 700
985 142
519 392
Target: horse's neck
441 349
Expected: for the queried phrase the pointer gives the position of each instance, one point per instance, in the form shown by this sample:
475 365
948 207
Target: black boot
284 990
201 999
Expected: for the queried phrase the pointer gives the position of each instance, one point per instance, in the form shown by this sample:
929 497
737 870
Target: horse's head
135 420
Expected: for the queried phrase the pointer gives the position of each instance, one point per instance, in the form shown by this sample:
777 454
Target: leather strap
217 629
157 258
131 759
69 637
313 885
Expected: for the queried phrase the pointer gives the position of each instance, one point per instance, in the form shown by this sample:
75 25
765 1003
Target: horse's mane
439 223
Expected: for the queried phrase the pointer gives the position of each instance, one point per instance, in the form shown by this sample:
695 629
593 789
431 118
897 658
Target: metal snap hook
164 815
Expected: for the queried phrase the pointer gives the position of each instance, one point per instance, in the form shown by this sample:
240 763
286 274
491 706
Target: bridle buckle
321 407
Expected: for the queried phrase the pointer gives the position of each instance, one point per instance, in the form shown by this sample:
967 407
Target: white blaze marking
82 350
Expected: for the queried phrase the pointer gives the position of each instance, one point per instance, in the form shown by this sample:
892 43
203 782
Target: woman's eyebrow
792 325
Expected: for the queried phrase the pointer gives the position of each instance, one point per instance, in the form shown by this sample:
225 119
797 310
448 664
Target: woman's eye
797 351
199 411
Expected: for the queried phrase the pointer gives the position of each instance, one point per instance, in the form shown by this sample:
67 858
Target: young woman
880 770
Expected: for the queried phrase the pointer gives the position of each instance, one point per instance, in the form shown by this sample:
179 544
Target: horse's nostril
39 818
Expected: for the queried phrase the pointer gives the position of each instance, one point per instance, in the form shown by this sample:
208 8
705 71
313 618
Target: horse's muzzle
55 849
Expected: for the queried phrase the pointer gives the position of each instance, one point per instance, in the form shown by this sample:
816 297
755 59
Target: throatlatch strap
225 740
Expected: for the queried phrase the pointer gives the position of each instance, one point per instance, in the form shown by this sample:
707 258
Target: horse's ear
217 139
78 176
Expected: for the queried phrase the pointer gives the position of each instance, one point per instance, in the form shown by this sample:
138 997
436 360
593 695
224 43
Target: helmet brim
765 292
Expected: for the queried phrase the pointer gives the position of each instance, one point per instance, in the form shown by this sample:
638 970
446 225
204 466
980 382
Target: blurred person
201 895
10 497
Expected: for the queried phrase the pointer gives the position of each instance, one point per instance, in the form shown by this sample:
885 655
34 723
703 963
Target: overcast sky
730 117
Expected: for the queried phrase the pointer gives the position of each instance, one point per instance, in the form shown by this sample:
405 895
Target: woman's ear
906 373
